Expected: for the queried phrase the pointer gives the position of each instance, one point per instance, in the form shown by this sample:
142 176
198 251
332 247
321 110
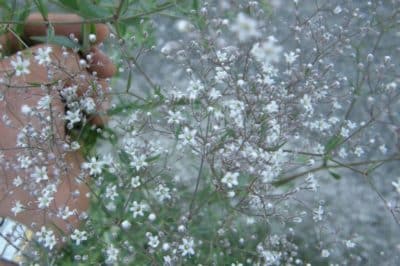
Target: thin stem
327 167
200 171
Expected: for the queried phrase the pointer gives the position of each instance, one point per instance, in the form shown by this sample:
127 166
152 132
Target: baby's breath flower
188 137
245 27
45 200
44 102
17 208
138 209
187 247
88 105
17 181
139 162
153 240
39 174
230 179
112 254
21 66
92 38
135 181
73 117
95 166
162 193
267 52
46 237
42 56
397 185
290 57
79 236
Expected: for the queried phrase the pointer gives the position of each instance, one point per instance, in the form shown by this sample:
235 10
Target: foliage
233 127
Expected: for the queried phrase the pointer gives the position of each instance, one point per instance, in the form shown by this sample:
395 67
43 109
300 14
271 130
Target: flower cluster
239 137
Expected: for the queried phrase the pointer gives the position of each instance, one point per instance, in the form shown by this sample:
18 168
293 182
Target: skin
16 98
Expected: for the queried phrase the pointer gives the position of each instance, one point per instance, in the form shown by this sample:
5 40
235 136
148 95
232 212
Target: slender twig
200 171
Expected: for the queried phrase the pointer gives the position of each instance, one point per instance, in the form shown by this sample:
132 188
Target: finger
35 27
101 64
62 26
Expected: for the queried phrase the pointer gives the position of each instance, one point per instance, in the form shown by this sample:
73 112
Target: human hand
33 116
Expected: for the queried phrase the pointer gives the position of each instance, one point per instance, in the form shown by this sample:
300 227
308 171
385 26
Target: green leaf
59 40
124 8
5 5
332 143
89 10
132 21
42 8
121 28
195 5
335 175
22 15
50 31
72 4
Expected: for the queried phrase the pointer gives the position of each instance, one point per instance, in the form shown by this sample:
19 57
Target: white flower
88 105
40 174
17 181
230 179
92 38
306 103
153 240
112 254
358 151
73 117
111 192
138 209
95 167
18 207
69 94
79 236
45 200
220 74
245 27
194 89
187 247
65 212
318 213
383 149
187 137
162 193
43 56
174 117
26 110
183 26
267 52
214 94
46 237
272 107
344 132
75 145
139 162
337 10
290 57
325 253
24 161
44 102
397 185
350 244
21 66
342 153
135 181
126 225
